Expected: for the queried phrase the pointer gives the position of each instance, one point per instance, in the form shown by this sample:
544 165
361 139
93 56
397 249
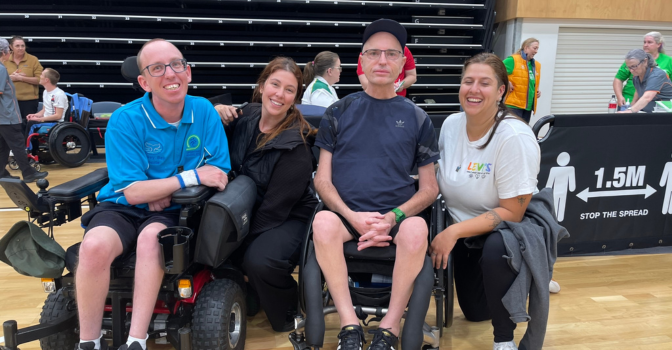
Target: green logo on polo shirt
193 142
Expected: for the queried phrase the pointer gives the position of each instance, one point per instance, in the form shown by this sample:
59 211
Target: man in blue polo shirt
370 142
154 146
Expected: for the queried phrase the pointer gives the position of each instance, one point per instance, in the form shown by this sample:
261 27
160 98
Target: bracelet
398 215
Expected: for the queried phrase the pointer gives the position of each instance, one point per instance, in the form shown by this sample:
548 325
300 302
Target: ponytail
309 73
318 67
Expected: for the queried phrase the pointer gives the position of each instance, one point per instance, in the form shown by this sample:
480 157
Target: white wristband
190 179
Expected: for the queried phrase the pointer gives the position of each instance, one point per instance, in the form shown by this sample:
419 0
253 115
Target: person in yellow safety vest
524 75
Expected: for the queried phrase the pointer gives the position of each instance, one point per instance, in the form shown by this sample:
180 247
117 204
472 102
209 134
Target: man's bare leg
411 242
148 278
101 245
329 234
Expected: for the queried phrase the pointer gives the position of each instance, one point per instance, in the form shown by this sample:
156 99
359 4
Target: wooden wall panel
643 10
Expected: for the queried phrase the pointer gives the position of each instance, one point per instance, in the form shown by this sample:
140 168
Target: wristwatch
398 215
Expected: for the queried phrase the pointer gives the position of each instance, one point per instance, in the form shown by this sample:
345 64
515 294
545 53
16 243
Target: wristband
179 178
198 179
398 215
190 178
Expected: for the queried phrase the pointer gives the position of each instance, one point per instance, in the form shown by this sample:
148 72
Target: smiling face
278 94
650 45
531 50
168 91
480 90
19 48
382 71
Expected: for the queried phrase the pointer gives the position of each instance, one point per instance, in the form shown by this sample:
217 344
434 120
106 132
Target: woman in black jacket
271 145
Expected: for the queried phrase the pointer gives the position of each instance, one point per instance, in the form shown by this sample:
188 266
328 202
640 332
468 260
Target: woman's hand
227 113
538 93
620 101
510 86
441 247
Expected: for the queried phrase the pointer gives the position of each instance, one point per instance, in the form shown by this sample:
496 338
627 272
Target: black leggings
269 262
482 278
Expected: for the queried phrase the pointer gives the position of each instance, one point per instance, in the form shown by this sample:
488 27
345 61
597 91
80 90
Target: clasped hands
373 227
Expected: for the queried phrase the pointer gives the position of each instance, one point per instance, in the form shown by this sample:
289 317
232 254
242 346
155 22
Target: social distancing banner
611 176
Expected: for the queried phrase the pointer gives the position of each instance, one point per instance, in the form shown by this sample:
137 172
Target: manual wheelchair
201 303
372 300
66 143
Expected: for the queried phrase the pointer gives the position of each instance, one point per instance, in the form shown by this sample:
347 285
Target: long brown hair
323 61
502 79
294 116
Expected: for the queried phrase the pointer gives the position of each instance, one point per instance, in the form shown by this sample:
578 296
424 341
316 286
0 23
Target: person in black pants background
271 144
487 174
11 135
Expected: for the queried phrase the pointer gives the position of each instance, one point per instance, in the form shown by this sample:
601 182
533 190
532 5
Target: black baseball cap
386 25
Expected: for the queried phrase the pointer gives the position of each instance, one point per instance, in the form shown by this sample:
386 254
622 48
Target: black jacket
282 193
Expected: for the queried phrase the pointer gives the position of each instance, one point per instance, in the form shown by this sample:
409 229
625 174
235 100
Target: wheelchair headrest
130 72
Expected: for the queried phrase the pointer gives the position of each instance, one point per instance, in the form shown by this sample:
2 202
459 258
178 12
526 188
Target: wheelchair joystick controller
42 184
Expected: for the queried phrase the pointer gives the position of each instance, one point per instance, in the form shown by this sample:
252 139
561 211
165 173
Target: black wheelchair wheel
69 144
219 321
58 308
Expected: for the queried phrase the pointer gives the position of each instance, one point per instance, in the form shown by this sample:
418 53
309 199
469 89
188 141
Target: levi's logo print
154 151
479 170
193 146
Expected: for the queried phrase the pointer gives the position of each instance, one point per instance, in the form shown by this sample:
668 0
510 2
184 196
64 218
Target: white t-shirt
53 99
472 180
319 97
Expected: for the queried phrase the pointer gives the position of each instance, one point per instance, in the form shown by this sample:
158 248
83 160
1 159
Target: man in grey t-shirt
11 135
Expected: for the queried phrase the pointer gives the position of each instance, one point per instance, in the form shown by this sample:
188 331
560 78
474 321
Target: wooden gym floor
606 302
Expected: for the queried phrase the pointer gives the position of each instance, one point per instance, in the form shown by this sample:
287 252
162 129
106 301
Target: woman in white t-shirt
487 174
319 76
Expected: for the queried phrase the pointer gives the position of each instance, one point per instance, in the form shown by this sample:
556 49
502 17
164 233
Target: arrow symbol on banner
585 194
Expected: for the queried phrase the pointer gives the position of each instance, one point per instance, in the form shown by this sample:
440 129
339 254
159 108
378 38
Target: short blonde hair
52 75
526 43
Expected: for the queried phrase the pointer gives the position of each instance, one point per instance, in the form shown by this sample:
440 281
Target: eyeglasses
340 69
374 54
159 69
635 66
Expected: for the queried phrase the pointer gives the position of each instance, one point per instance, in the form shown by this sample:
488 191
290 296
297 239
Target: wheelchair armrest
76 189
191 195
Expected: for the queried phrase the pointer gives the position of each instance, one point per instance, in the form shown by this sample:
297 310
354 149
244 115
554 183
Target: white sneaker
554 287
509 345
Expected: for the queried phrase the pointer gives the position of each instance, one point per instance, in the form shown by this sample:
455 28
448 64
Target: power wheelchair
66 143
372 300
201 303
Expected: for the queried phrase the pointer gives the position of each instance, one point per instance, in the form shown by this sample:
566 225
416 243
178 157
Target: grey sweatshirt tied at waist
532 248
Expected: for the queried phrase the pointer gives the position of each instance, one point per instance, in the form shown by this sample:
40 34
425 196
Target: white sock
96 342
142 342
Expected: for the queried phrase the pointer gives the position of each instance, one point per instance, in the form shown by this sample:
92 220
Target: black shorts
356 235
127 221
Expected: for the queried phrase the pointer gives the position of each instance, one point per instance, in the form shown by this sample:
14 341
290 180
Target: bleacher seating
228 43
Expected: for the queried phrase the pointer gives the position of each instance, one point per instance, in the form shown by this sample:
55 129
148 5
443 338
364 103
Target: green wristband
398 215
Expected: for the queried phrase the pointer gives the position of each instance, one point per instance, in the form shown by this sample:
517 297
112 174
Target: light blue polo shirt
140 145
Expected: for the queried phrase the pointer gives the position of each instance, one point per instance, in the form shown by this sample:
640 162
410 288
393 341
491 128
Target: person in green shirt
653 44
